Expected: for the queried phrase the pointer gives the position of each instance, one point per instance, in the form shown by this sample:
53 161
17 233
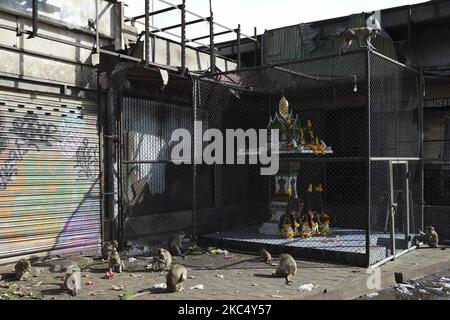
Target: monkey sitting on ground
163 261
175 278
70 284
115 261
22 268
265 256
175 244
357 34
107 248
287 268
430 237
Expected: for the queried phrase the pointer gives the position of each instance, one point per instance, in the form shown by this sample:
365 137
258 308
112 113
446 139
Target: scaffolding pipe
238 36
206 19
212 57
183 38
255 62
97 35
147 31
34 20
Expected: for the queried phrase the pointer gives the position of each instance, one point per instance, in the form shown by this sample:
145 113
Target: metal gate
401 207
49 175
156 196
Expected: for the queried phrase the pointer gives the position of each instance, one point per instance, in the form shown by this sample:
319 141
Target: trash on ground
445 285
276 296
127 295
89 283
403 290
373 295
229 257
214 250
133 275
160 286
21 292
118 288
5 285
93 294
444 279
307 287
108 275
191 277
86 276
198 287
220 276
131 259
407 286
438 290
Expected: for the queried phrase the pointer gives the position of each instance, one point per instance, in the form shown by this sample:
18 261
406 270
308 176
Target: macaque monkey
70 283
175 244
22 268
163 261
287 268
431 237
265 256
357 34
115 261
177 274
107 248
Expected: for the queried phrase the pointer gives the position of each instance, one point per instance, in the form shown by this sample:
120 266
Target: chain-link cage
437 170
371 174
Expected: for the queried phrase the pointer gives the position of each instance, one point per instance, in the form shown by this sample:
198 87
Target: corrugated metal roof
305 41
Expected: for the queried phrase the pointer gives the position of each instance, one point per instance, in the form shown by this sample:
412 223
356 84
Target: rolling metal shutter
49 175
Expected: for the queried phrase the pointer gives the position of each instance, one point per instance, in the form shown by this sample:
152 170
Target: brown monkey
70 283
175 244
115 261
432 237
265 256
175 278
22 268
107 247
163 261
357 34
287 268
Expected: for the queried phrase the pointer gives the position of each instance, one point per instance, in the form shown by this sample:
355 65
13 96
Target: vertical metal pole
101 131
183 38
408 209
393 210
147 32
195 100
255 63
212 56
238 32
97 31
421 94
368 159
109 162
34 19
262 47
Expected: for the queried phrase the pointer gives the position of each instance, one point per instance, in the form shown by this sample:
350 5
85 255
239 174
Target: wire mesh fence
345 122
437 170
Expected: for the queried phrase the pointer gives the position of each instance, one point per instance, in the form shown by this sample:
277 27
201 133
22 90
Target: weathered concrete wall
69 62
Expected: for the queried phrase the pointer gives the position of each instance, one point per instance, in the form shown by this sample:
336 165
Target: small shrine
291 216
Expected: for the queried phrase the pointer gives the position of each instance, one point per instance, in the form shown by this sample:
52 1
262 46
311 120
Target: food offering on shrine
295 138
